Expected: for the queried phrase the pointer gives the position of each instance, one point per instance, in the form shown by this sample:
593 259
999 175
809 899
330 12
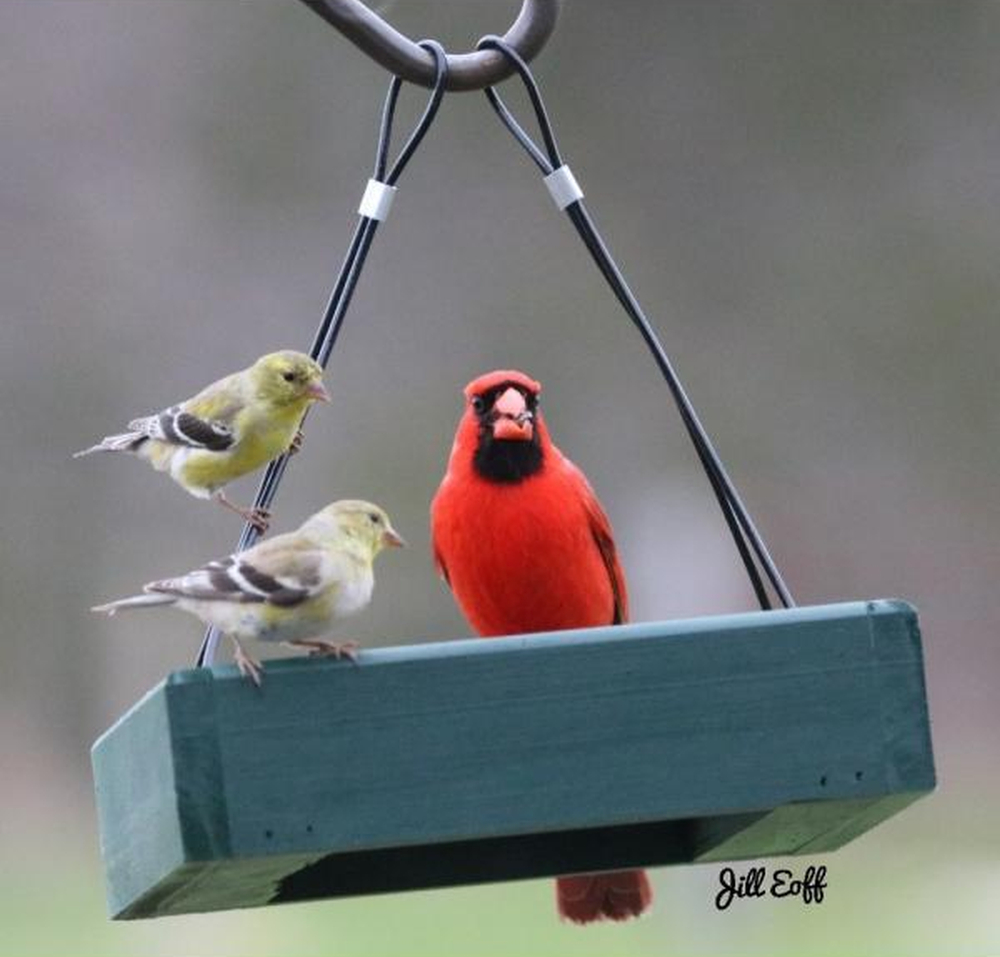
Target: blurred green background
805 197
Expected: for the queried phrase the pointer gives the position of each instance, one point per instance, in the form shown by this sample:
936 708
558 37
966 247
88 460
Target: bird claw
259 518
249 667
338 650
318 648
297 442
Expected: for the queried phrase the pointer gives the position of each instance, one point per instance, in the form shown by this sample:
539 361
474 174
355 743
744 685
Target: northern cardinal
525 546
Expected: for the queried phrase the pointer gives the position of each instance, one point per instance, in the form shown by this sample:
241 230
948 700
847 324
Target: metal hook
466 71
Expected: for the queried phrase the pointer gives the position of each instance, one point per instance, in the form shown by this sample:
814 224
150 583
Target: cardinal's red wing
441 567
439 564
600 528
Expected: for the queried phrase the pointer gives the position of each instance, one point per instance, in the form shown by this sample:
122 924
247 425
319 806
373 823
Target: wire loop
748 540
347 280
554 159
424 123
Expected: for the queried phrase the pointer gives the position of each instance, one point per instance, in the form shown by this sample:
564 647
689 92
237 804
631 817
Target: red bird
522 540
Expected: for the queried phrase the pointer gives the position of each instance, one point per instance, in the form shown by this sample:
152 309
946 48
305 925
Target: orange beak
513 423
392 539
317 392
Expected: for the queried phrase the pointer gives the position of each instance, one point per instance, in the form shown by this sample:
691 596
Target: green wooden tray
785 732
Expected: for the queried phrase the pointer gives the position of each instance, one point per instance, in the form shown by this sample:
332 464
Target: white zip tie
377 200
563 187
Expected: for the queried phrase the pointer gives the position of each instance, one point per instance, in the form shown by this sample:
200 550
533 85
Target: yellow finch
290 588
229 429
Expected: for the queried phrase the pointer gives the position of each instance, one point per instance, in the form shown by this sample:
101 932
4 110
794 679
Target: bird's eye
478 403
288 376
374 517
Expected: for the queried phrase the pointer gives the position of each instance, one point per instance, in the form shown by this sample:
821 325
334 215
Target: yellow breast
259 440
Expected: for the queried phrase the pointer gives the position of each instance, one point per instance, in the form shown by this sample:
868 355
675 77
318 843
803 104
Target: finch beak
392 539
317 392
514 423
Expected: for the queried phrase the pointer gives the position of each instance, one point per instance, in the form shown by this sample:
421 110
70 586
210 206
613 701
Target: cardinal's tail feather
585 898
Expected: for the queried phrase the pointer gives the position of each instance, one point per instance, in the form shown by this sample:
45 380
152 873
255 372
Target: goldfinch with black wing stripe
229 429
290 588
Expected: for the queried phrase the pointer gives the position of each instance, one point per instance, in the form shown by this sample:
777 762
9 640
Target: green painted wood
431 765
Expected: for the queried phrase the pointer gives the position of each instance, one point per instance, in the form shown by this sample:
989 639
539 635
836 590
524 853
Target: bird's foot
318 648
297 443
249 667
259 518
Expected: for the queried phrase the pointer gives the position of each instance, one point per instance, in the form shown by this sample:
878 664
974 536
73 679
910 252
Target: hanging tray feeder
784 732
777 732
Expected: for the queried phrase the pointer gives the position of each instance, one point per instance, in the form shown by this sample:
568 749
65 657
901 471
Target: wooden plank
436 764
141 841
808 827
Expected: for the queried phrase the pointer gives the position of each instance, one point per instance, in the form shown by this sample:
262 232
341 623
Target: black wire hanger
374 208
568 196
